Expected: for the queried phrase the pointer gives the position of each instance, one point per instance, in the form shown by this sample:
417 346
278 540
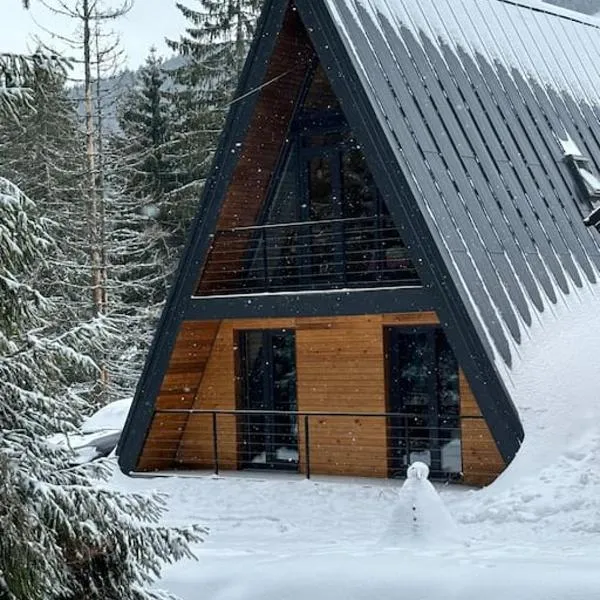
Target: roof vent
588 182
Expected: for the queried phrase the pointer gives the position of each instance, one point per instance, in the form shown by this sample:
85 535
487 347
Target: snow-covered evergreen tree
15 72
64 536
44 156
146 168
217 42
144 232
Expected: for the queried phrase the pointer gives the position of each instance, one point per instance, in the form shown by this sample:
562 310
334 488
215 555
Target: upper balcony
333 254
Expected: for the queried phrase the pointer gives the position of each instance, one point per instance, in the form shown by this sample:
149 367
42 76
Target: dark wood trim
310 304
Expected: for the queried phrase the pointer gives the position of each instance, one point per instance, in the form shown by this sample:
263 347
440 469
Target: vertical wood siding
482 462
340 368
180 383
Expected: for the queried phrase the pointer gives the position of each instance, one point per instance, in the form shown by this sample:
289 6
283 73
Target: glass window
423 390
326 225
268 370
320 96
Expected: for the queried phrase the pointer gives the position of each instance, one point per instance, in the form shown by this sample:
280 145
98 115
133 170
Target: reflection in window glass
424 391
268 369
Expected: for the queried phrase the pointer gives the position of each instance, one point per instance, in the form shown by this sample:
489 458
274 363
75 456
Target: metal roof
474 97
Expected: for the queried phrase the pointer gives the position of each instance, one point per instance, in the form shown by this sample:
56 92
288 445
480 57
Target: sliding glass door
423 391
269 438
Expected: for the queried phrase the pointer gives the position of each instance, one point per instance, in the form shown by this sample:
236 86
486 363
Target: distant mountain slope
585 6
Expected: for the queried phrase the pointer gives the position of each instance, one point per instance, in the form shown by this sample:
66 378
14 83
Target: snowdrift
100 433
556 475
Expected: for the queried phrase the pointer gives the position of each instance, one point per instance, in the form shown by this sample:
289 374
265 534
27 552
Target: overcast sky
149 22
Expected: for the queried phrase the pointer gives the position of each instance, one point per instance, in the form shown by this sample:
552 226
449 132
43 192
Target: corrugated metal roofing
475 96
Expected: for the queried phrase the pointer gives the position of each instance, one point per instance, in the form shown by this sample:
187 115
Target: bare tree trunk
88 14
93 214
101 188
95 226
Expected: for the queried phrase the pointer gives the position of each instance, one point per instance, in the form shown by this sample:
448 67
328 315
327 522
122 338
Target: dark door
268 371
423 392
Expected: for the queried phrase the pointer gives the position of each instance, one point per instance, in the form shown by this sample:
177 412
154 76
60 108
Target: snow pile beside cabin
556 474
99 434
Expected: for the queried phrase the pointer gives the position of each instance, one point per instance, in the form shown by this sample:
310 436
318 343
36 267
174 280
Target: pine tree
64 537
217 43
15 71
143 146
142 250
44 156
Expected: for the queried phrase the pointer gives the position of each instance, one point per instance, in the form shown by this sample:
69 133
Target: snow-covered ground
278 537
532 535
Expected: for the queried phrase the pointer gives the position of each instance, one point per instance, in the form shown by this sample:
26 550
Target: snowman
420 516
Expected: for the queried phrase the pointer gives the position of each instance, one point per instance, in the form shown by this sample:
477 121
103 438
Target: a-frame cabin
398 199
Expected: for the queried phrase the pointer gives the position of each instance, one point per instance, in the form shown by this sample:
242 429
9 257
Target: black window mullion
338 227
268 382
434 404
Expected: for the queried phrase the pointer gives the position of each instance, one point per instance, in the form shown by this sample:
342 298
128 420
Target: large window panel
423 393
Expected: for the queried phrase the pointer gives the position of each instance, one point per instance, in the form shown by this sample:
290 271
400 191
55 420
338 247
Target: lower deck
352 396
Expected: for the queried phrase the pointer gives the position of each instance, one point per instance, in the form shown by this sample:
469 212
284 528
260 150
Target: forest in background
115 165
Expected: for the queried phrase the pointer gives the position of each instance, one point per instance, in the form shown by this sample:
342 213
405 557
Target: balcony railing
351 444
315 255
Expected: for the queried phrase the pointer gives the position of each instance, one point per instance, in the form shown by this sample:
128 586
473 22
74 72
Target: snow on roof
468 109
522 35
570 147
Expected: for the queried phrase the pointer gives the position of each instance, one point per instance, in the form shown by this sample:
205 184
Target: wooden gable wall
260 152
262 146
340 368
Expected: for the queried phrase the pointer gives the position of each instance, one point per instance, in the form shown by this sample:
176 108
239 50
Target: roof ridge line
556 11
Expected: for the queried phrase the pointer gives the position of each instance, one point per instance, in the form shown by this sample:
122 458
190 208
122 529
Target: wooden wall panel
260 152
340 368
217 391
192 349
482 461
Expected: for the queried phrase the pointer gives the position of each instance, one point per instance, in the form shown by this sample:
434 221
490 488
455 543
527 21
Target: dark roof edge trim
494 400
199 238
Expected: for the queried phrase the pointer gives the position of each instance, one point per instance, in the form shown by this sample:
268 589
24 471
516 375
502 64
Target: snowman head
418 470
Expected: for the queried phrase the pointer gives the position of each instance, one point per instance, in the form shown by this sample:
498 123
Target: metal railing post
406 441
307 445
215 443
265 260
